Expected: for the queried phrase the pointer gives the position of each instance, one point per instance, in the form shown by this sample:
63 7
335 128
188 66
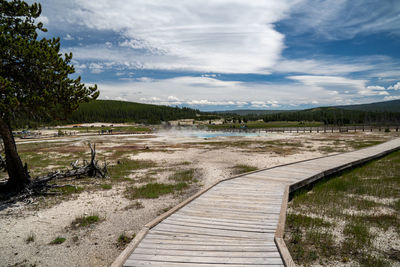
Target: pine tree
34 80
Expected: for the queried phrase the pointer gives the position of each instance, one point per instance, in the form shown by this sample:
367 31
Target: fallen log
91 169
40 185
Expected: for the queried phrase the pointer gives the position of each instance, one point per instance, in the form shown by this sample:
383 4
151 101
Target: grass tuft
69 190
243 168
106 186
58 240
85 221
124 240
126 166
186 176
153 190
30 238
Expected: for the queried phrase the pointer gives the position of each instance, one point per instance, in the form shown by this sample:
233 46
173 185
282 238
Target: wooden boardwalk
234 222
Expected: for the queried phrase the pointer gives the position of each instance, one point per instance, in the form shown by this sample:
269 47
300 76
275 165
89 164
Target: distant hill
337 116
113 111
389 106
121 111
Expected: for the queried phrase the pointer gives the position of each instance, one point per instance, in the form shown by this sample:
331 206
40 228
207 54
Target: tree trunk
18 175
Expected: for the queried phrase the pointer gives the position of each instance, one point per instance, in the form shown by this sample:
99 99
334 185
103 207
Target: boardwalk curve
238 221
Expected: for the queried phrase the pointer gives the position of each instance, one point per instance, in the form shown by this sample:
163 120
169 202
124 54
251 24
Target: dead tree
91 169
40 185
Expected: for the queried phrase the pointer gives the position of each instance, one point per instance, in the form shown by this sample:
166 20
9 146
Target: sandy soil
212 158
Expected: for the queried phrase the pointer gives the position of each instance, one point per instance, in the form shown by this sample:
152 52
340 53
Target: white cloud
96 68
392 97
241 103
343 19
336 85
205 102
173 98
144 79
68 37
394 86
321 66
221 36
43 19
205 91
120 98
330 81
376 87
259 104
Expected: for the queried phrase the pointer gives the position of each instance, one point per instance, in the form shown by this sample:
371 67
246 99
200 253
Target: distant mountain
244 112
337 116
388 106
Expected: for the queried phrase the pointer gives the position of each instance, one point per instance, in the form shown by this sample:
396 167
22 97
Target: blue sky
220 54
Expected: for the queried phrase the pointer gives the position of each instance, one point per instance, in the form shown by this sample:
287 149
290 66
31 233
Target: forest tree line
112 111
330 116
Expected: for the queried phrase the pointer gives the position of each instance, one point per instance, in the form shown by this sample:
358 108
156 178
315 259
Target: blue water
209 134
218 134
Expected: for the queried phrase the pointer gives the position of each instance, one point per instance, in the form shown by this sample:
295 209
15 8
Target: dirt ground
26 229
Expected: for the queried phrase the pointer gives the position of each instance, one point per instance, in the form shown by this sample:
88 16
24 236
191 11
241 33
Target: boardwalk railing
318 129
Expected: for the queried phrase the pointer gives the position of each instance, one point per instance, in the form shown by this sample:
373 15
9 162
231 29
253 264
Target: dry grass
340 218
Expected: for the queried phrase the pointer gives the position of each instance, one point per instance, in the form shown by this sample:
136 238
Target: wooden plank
211 232
222 227
229 221
233 210
226 195
276 177
224 202
204 208
202 253
201 236
139 263
179 218
188 238
231 215
184 259
217 234
195 243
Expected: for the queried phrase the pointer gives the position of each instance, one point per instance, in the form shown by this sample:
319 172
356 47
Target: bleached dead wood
40 185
